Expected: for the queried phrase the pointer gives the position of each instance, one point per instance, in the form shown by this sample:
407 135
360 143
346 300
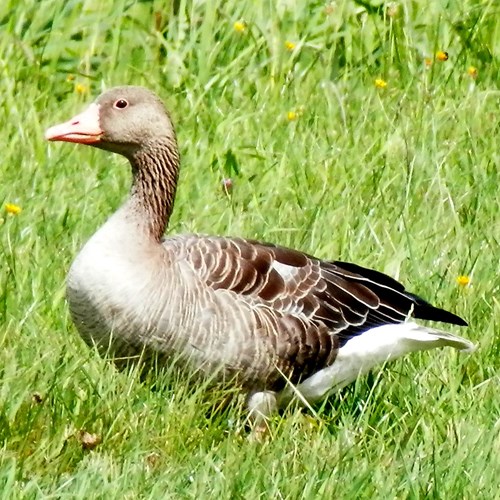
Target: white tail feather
373 347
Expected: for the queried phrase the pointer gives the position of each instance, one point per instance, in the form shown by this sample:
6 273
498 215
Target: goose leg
261 405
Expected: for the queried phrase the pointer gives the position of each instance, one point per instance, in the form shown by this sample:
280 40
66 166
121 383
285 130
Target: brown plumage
265 315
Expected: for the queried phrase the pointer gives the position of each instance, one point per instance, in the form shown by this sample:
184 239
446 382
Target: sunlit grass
346 133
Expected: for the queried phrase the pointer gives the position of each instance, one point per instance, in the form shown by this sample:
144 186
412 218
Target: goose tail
429 338
372 348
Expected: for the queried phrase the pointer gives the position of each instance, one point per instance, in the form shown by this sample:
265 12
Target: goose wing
314 306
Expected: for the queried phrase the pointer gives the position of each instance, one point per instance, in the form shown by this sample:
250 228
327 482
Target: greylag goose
278 321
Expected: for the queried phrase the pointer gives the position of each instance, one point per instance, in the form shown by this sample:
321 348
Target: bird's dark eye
121 103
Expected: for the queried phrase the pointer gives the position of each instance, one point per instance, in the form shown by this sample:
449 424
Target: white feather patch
373 347
284 270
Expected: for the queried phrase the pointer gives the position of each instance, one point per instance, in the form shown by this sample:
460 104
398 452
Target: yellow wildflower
12 209
291 116
239 26
380 83
80 88
442 56
290 45
472 72
463 280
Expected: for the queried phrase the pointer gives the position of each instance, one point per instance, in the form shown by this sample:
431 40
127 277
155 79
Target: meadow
357 131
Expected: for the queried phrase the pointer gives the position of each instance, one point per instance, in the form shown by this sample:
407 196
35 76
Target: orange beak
83 128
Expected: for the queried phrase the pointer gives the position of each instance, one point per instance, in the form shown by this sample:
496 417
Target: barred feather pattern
306 309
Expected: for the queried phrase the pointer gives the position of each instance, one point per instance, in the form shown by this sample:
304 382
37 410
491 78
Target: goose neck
155 172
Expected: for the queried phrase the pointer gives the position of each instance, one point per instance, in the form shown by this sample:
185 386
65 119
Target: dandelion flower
463 280
13 209
290 45
80 88
380 83
291 116
442 56
472 72
239 26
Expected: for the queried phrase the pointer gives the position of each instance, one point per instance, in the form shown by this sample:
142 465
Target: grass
402 178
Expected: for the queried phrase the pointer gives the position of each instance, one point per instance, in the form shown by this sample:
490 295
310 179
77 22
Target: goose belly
124 308
110 299
103 301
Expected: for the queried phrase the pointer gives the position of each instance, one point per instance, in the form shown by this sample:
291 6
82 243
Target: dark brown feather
313 307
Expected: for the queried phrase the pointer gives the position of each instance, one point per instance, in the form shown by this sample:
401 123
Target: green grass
403 179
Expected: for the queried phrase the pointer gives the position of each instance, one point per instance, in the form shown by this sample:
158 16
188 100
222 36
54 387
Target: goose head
133 122
125 120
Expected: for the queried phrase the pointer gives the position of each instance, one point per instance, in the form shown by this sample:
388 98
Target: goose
278 322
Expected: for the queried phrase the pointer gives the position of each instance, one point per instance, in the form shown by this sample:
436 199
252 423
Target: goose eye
120 104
